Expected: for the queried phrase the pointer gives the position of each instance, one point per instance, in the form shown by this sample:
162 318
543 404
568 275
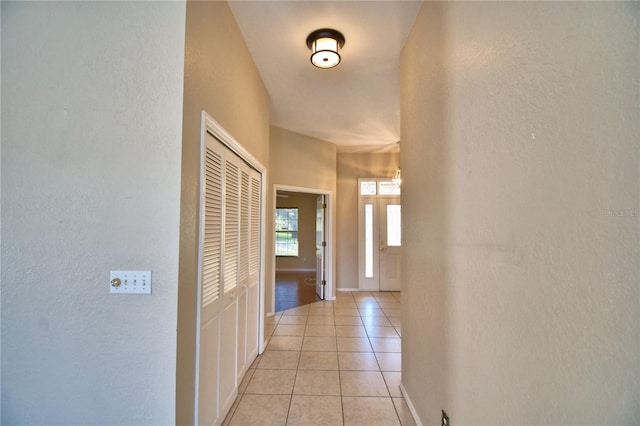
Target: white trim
412 408
329 290
349 289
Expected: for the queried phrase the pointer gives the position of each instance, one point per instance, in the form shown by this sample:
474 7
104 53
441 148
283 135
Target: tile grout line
295 379
369 339
385 380
339 372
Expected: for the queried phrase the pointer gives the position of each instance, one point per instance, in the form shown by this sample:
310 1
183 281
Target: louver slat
231 228
255 227
244 228
212 228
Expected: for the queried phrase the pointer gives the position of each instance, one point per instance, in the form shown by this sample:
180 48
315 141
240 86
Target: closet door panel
228 281
253 288
243 268
210 285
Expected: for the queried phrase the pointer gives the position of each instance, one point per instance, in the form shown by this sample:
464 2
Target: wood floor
294 289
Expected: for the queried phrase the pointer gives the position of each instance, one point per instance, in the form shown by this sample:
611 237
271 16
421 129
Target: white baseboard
416 418
347 289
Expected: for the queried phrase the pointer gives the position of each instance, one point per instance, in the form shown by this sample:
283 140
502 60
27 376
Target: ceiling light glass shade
324 45
325 53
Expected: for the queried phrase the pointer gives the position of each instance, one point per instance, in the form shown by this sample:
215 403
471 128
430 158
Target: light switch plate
130 282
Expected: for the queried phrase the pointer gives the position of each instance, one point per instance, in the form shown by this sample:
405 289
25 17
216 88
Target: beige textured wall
520 155
350 168
300 161
306 204
233 93
91 140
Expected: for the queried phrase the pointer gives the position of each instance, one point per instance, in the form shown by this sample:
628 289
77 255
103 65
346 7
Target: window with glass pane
388 188
368 187
394 225
368 240
287 231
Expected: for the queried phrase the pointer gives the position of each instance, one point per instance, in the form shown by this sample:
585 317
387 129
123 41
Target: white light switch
130 282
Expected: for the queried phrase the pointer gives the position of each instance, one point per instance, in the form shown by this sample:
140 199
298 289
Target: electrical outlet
445 419
130 282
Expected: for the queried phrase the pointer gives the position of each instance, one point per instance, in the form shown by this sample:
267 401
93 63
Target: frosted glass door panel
368 240
394 226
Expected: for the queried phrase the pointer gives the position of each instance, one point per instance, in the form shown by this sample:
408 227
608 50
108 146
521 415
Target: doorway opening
301 261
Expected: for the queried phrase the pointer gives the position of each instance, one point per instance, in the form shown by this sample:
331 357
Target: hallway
330 363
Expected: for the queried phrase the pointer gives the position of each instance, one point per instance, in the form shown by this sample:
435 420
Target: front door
379 235
390 244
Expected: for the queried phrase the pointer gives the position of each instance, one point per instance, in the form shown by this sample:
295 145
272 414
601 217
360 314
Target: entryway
302 246
379 235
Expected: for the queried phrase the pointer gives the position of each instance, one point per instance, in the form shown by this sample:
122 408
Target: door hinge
324 282
324 244
324 206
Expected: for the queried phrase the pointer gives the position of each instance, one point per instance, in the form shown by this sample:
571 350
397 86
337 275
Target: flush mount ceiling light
325 44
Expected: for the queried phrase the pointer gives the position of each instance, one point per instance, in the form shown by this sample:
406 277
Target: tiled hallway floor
328 363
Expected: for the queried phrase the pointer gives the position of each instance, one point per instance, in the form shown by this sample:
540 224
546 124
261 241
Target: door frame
321 276
329 254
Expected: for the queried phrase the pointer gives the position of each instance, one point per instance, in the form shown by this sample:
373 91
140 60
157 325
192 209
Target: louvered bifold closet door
229 278
211 246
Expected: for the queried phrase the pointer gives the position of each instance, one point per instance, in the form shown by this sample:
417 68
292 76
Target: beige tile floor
328 363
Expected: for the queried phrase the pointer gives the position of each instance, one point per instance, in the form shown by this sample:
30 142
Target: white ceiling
355 105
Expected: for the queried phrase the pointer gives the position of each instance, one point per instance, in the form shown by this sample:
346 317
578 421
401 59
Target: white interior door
210 300
390 247
321 245
228 284
253 285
